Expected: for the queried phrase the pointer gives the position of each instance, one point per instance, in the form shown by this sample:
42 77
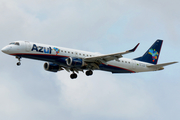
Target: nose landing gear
19 59
19 63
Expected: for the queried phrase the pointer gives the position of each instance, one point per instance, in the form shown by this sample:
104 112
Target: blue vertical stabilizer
152 54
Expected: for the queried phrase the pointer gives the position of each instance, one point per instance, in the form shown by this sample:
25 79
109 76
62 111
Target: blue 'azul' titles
41 49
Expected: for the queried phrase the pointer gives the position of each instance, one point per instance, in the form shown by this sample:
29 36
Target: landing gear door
28 46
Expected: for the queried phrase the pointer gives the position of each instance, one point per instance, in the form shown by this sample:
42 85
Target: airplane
75 61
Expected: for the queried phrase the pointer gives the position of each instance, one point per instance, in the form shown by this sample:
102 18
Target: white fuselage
51 53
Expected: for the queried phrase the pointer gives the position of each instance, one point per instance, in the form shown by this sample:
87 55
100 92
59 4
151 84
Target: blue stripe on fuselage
114 69
61 60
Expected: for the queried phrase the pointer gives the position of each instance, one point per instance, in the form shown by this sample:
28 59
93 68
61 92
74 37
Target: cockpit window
11 43
14 43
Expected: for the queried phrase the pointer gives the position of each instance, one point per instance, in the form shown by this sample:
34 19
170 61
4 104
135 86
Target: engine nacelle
75 62
52 67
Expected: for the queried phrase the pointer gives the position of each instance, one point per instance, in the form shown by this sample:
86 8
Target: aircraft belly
60 60
114 69
44 57
40 57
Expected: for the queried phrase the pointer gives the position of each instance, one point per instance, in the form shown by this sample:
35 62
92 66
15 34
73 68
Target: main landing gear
89 72
19 59
74 75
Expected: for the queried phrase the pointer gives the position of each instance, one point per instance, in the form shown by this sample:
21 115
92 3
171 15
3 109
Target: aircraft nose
5 49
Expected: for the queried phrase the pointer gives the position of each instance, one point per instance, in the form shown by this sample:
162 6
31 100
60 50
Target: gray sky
105 26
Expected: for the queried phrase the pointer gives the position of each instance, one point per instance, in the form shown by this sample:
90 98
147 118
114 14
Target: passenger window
65 51
61 50
68 52
79 53
72 52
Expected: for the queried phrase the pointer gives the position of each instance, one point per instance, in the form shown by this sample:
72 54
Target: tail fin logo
154 54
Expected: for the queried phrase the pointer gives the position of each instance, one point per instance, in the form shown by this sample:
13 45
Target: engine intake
52 67
75 62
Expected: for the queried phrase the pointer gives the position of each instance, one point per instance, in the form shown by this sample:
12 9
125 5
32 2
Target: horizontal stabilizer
161 65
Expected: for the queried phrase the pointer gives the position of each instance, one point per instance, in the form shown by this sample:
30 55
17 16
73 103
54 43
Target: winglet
132 50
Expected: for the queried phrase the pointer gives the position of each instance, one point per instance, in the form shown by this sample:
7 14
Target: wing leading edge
105 58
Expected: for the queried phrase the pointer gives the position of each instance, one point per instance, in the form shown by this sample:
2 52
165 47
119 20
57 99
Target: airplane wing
105 58
161 65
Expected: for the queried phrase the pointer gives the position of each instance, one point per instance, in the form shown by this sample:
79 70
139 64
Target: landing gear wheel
89 72
18 64
73 76
19 59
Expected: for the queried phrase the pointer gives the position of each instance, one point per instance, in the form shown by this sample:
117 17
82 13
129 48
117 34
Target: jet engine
75 62
52 67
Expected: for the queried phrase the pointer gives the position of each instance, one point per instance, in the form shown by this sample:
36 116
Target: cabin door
28 46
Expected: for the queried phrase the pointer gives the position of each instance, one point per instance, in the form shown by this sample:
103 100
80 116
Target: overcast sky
29 92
